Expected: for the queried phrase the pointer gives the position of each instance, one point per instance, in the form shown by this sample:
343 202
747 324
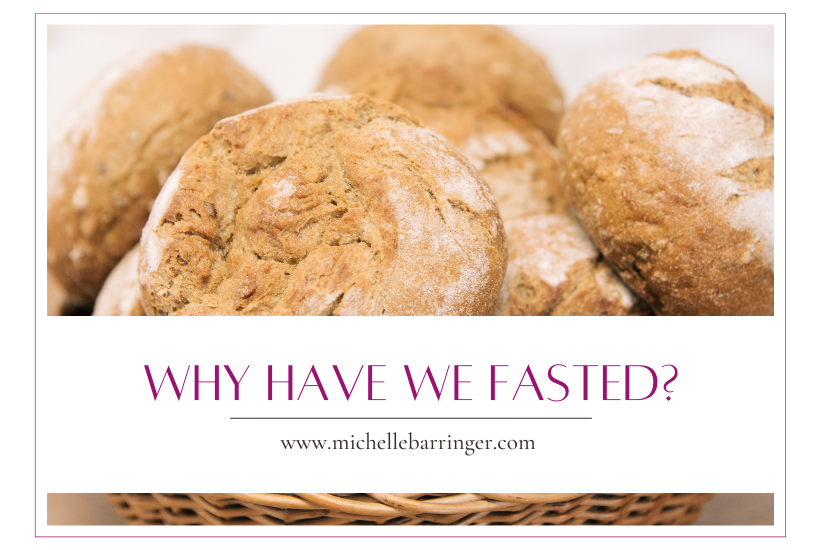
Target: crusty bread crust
670 165
323 206
554 269
520 76
124 138
519 164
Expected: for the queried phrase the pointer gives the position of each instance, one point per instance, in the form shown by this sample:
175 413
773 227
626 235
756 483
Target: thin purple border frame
785 332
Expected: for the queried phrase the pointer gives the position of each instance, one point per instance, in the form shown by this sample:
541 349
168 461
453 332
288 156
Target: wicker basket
409 509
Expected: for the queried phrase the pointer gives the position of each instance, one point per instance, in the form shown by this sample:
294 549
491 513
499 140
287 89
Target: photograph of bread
435 171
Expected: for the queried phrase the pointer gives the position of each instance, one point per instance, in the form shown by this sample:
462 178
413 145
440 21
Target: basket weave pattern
409 509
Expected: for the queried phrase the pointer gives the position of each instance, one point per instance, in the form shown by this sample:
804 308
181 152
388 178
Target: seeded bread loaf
520 76
121 141
670 165
323 206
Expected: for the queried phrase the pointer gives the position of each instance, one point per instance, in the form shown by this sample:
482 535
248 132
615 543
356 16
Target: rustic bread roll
323 206
519 164
130 130
520 76
120 295
670 165
554 269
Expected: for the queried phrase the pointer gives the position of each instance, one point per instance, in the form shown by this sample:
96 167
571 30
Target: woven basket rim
409 508
387 504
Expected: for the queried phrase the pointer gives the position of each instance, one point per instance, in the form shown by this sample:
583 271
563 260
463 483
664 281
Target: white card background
98 428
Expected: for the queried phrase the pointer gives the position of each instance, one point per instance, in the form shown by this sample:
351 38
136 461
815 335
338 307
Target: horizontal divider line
411 418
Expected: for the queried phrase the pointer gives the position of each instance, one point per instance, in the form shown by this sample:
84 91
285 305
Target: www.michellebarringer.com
392 443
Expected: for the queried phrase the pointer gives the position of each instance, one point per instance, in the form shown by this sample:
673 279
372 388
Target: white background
729 371
716 434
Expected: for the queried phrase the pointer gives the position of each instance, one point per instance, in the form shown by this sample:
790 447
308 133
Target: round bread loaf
120 295
323 206
520 76
519 164
554 269
670 165
115 151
